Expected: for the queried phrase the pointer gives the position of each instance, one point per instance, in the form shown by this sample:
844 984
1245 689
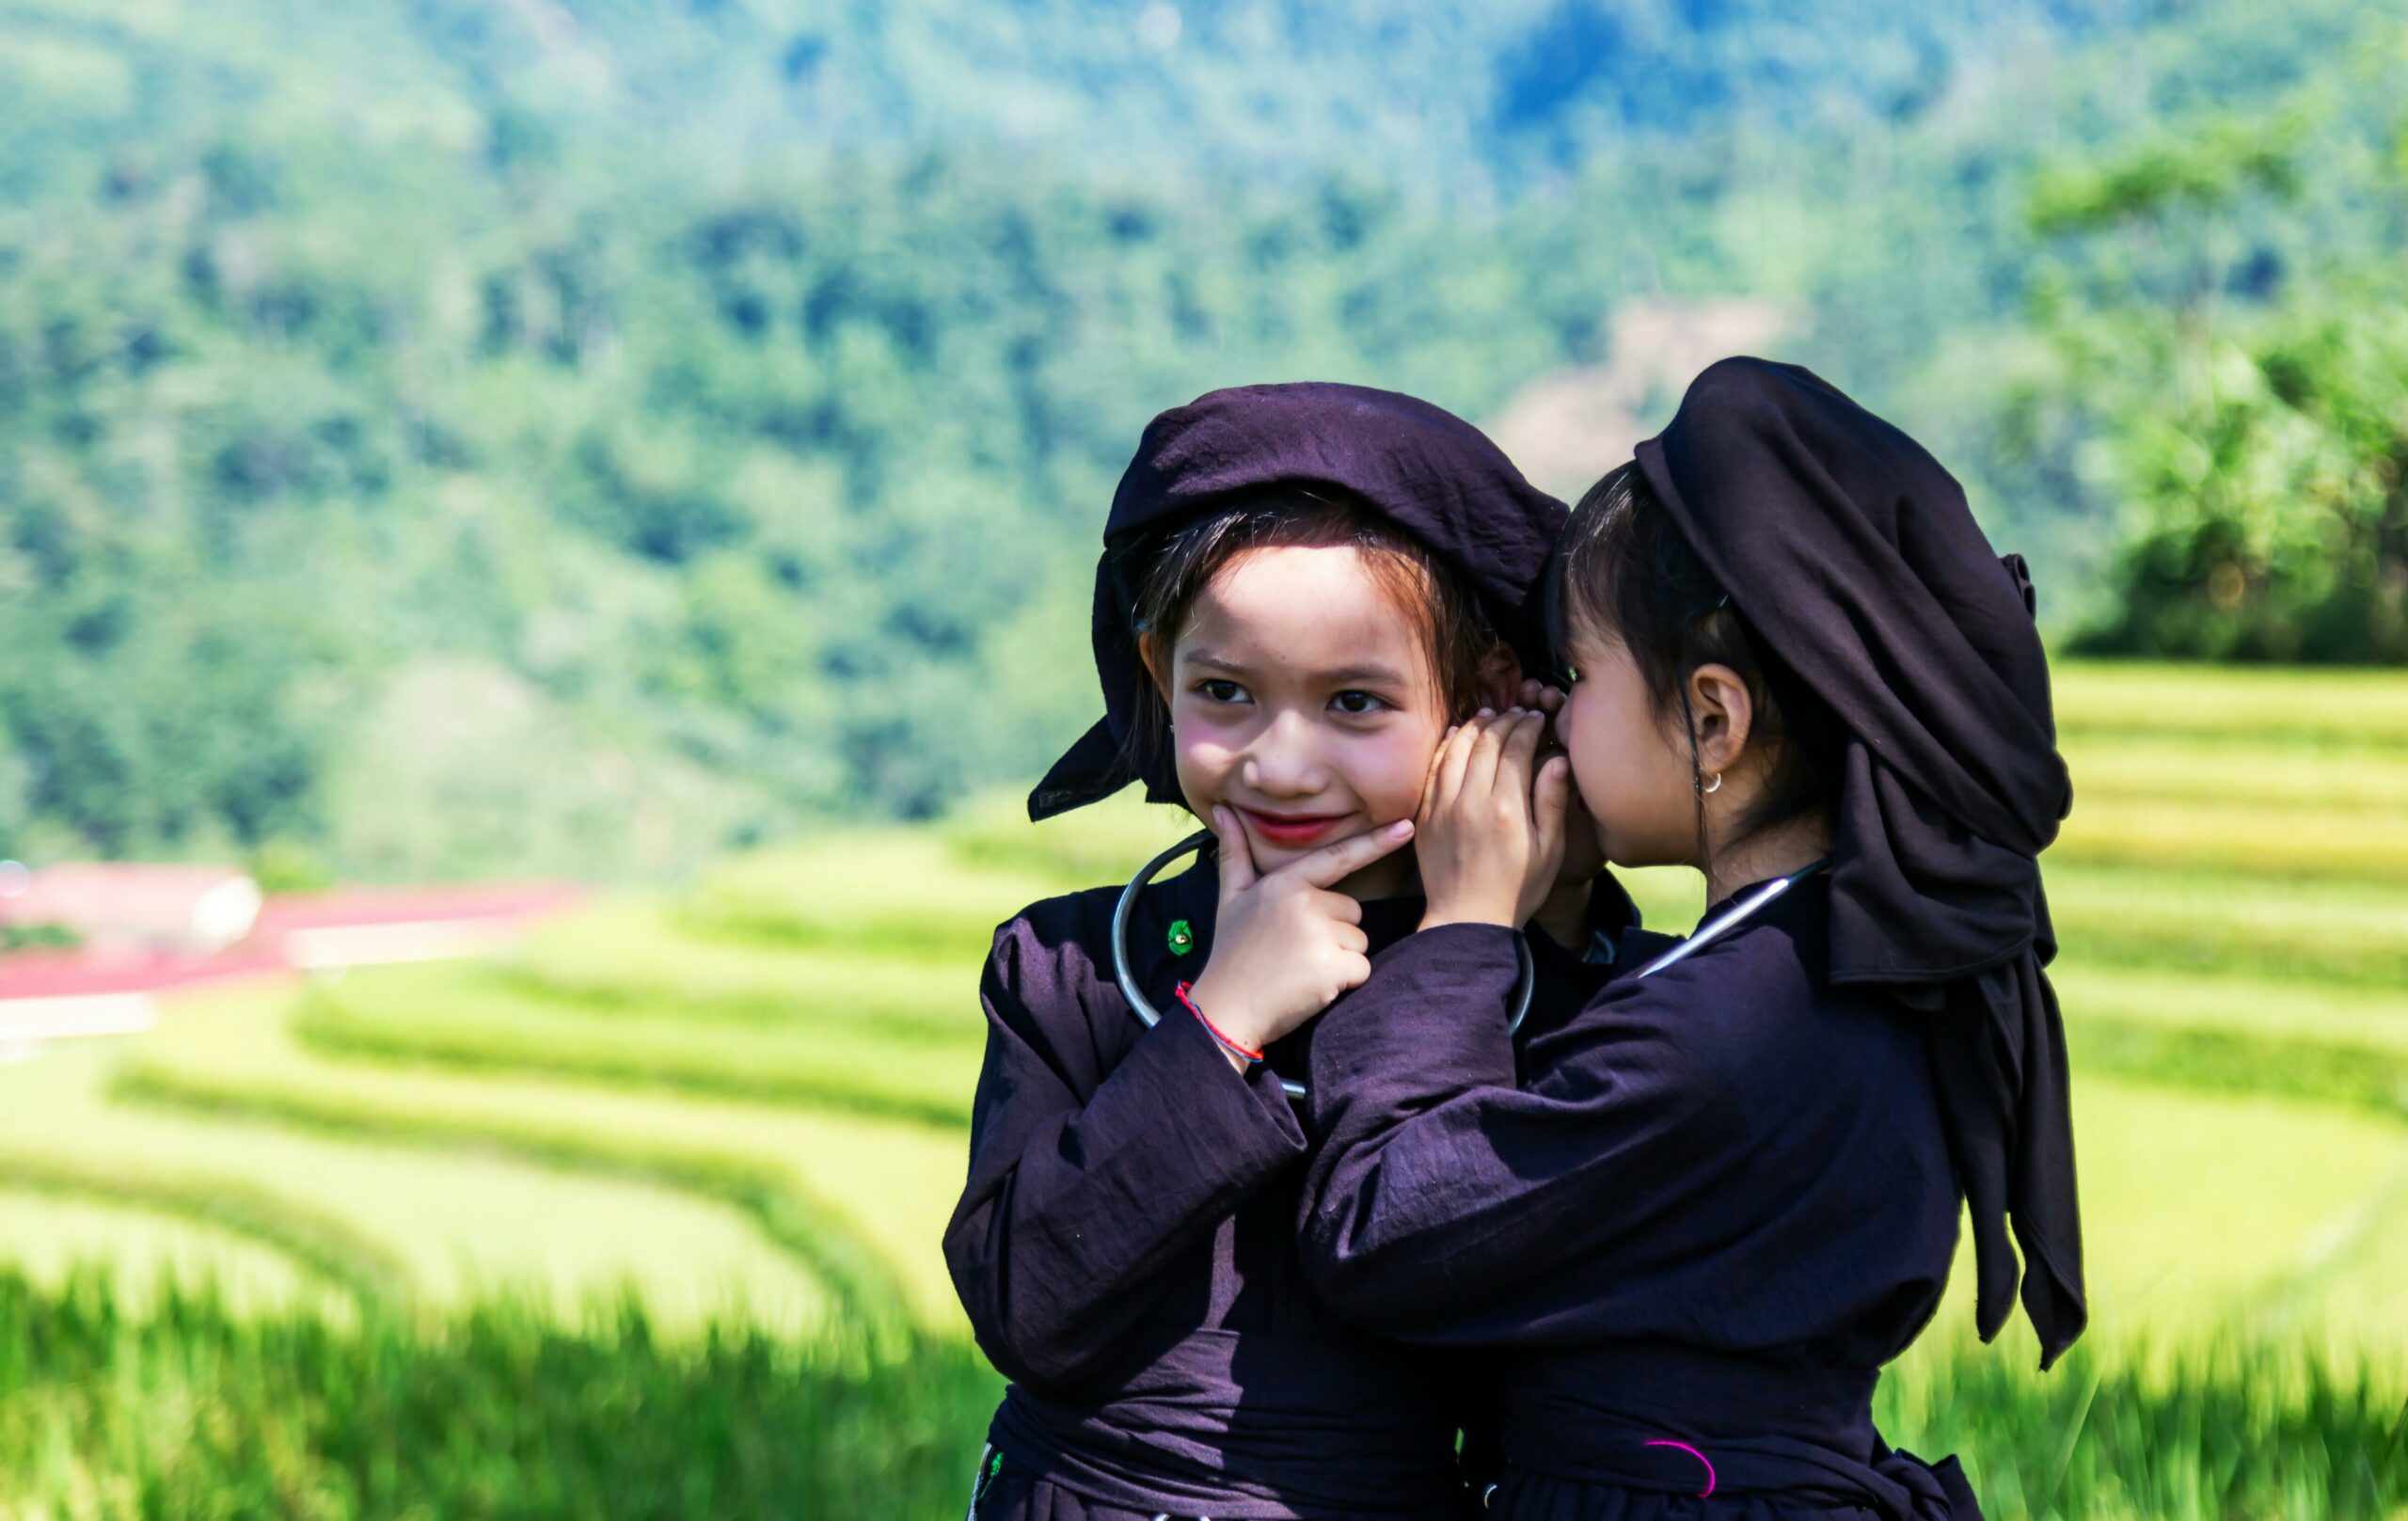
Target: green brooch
1182 940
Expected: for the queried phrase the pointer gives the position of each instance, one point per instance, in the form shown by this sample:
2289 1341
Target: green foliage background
450 439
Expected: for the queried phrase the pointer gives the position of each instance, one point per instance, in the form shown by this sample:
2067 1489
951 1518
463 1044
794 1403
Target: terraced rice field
742 1102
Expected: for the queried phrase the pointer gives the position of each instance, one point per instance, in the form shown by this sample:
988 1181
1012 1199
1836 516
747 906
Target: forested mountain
1452 95
464 437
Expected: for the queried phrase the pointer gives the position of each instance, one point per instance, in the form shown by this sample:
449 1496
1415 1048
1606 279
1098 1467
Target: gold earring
1705 791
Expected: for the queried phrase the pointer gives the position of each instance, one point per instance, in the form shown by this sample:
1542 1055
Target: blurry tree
2248 416
447 437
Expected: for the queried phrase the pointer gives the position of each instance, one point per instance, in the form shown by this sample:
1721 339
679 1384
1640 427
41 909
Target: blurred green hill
1446 92
447 439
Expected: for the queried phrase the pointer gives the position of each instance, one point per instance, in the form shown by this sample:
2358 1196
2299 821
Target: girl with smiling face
1302 701
1314 662
1302 587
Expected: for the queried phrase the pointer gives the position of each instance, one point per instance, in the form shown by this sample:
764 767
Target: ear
1723 714
1501 676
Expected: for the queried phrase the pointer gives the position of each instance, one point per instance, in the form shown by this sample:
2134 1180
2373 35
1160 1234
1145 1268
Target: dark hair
1169 572
1625 571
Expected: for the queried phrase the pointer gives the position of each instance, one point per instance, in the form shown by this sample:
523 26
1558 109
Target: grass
197 1223
690 1156
2304 710
2203 929
2208 1215
151 1253
839 1065
189 1412
786 1217
460 1227
1103 843
2225 1429
2237 767
2297 843
902 896
2242 1061
635 958
2285 1025
883 1184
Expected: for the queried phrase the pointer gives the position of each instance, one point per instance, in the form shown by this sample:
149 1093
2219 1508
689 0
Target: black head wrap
1420 467
1852 554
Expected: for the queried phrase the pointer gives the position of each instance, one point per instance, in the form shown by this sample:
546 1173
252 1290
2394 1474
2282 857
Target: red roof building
150 929
127 905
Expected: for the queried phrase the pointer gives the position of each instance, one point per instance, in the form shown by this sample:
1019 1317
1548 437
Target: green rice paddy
699 1147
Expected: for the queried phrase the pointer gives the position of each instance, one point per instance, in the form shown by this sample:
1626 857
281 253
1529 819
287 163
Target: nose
1284 761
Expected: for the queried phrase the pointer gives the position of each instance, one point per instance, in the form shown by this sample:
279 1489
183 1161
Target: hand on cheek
1285 944
1582 857
1492 823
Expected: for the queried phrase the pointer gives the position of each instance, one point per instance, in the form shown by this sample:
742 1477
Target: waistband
1686 1421
1250 1427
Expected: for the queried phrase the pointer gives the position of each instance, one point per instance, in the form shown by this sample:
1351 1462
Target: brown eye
1356 703
1215 690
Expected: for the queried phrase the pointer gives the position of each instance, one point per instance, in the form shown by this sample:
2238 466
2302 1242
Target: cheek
1589 739
1385 770
1615 762
1205 745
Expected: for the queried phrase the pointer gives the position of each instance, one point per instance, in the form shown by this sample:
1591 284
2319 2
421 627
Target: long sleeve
1089 1175
1570 976
1445 1204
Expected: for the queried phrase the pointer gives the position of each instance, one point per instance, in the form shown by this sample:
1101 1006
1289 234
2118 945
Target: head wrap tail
1854 558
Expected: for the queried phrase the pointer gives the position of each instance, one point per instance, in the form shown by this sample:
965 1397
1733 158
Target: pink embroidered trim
1695 1453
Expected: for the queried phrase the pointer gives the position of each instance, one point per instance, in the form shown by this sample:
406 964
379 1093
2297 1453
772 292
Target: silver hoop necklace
1731 918
1149 1016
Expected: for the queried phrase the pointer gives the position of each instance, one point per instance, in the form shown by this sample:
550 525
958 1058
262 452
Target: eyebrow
1368 673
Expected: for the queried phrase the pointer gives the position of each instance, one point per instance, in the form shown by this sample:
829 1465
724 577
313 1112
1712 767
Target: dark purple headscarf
1420 467
1852 553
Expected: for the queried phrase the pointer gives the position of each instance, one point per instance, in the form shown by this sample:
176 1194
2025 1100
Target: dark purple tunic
1717 1200
1126 1246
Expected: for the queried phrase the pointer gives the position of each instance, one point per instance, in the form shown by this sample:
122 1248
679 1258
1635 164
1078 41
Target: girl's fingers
1430 778
1453 757
1237 857
1333 863
1339 906
1479 767
1521 749
1550 700
1551 801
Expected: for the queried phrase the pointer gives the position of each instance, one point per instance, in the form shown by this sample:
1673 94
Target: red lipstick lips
1290 828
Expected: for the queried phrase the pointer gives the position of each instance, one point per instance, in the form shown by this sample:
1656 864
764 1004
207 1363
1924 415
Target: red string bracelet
1247 1052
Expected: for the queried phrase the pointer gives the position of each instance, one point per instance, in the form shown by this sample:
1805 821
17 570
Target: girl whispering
1302 587
1698 1217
